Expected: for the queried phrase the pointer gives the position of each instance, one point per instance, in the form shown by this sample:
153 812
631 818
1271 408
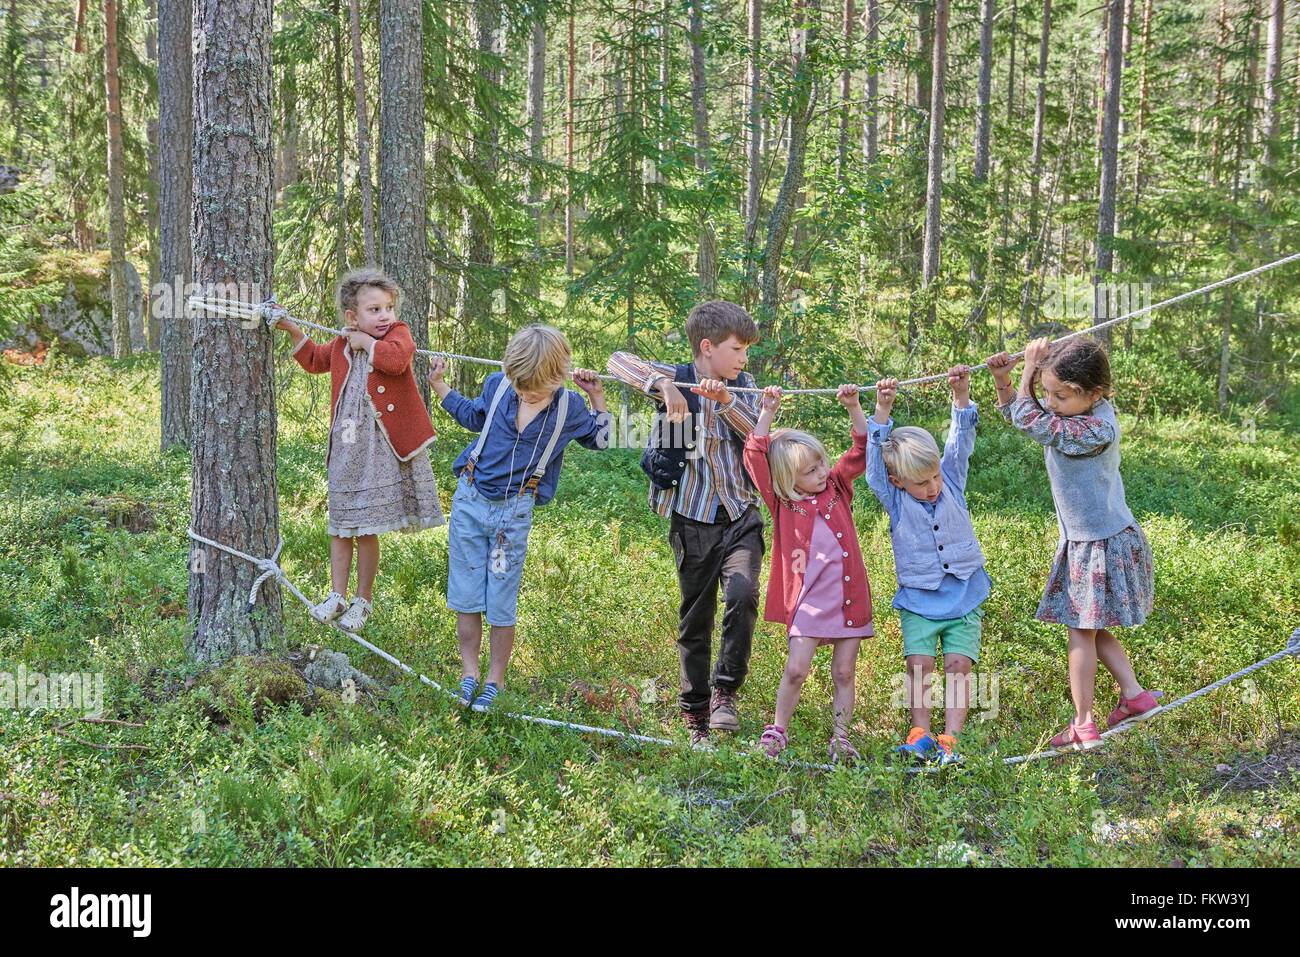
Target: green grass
93 573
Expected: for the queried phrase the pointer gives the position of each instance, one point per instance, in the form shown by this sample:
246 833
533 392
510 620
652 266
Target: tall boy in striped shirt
699 482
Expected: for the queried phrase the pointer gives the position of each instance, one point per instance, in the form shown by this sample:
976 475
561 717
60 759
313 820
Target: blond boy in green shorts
941 576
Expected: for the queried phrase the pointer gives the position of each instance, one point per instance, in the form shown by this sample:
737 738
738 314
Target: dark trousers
723 553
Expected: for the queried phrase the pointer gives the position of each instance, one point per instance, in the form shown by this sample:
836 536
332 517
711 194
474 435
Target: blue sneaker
465 695
920 745
947 753
485 698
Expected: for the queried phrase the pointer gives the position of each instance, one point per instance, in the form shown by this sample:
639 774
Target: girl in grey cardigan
1102 575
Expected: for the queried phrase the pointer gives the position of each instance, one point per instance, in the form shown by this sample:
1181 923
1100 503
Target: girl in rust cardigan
380 479
818 587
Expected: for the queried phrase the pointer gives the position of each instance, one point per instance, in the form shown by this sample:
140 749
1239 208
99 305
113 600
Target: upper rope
272 312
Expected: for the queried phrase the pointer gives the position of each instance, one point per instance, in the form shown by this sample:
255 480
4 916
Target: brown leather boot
697 723
722 710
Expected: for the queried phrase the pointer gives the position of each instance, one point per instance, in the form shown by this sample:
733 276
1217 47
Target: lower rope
270 568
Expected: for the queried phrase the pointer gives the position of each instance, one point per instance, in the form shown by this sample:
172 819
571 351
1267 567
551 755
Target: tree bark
925 61
802 104
1109 150
116 201
707 258
753 136
984 91
340 187
233 476
934 176
846 94
870 121
175 138
568 153
363 135
478 281
535 108
1040 109
402 209
151 128
1220 60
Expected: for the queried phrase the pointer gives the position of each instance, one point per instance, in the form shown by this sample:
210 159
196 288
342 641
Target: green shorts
956 636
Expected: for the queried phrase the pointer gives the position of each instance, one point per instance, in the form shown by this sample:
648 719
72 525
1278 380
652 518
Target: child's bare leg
340 563
1083 672
367 564
920 675
797 664
956 692
1113 656
502 644
469 633
844 668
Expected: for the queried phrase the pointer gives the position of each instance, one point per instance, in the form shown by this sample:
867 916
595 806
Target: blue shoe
947 753
484 701
920 745
465 695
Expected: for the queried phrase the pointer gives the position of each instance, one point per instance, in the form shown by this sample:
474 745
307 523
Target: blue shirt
920 530
952 599
510 456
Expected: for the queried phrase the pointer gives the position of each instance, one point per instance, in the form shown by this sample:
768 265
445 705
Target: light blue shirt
938 562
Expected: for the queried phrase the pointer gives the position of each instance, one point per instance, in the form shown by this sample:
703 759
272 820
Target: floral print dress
1101 584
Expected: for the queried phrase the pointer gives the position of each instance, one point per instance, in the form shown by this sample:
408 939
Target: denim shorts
487 542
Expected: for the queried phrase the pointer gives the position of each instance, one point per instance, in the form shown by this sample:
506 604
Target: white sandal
333 606
356 615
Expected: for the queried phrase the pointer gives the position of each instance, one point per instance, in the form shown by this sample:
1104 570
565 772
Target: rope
270 568
271 312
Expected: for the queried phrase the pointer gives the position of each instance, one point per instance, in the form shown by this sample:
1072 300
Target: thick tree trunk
233 471
402 211
707 258
802 104
1272 82
535 108
1109 150
934 175
116 201
363 135
175 138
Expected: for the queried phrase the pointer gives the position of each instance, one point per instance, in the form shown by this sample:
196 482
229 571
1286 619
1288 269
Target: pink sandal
773 740
842 750
1078 737
1139 708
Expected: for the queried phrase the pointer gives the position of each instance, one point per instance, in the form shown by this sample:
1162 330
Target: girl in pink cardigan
818 586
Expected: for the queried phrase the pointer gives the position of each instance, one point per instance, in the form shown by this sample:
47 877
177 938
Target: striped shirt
717 476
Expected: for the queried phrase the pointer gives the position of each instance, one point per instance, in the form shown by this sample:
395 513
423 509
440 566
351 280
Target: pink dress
818 614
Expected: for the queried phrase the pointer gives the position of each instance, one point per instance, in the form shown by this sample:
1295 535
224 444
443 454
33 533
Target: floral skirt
1103 584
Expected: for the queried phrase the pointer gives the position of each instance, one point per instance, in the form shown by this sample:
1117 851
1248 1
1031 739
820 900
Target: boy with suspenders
524 418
